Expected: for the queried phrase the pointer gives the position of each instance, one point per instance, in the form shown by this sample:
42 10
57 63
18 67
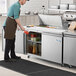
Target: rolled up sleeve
16 12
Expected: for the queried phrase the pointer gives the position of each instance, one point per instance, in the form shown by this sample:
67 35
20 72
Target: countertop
45 30
69 32
50 30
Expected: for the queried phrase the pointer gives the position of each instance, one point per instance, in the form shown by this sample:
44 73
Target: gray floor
8 72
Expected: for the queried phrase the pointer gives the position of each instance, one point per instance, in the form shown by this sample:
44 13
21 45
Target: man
10 26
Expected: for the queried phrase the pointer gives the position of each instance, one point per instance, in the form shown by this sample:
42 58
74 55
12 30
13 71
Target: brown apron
10 28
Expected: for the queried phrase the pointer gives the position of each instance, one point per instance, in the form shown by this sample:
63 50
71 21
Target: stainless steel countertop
69 32
51 30
45 30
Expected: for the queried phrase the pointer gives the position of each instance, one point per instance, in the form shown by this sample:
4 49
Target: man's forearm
19 24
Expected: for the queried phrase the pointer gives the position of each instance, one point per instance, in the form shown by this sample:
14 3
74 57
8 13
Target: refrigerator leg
62 65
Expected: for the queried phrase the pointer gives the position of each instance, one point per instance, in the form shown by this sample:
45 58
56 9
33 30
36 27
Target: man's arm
18 22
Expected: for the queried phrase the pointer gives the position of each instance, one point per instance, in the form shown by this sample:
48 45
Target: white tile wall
57 2
29 20
53 2
3 3
32 5
36 5
67 1
22 20
74 1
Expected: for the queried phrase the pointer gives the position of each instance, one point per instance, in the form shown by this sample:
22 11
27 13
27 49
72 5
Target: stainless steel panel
19 42
70 51
3 40
71 36
52 48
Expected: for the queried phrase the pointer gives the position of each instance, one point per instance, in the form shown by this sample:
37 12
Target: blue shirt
13 11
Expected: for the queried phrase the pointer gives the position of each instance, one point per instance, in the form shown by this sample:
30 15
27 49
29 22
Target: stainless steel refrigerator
69 53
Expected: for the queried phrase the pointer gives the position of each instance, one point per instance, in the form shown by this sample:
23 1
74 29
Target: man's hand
22 28
26 32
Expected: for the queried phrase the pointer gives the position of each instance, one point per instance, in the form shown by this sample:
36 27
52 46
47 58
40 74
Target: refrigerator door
52 48
69 55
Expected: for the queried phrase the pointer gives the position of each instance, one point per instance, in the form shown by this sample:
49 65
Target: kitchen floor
8 72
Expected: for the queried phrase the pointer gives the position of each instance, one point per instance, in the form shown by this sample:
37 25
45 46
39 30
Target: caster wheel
70 66
28 56
62 65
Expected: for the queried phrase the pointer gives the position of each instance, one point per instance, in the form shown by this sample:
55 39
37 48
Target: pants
9 47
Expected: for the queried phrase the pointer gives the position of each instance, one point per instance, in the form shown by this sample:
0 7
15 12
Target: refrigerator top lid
50 20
